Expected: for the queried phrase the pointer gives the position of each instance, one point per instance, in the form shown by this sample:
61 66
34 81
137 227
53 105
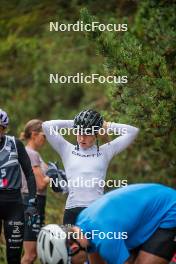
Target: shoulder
32 151
33 155
18 142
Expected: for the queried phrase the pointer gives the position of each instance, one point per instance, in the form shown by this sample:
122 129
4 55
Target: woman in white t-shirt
35 139
87 163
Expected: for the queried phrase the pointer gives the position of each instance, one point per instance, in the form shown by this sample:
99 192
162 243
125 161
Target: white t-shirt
84 165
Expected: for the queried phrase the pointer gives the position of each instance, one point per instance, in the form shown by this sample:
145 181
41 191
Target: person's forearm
41 180
121 128
43 184
126 134
56 140
49 126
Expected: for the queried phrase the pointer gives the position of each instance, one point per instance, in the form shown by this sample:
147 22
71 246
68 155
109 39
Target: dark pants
12 219
70 215
162 244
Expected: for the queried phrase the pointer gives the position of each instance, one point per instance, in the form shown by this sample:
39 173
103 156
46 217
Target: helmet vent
41 261
51 248
40 237
61 261
43 242
87 119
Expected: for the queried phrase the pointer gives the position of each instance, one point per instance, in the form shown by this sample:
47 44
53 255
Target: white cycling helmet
4 120
51 245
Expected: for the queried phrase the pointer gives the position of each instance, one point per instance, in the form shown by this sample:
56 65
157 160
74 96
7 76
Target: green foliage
29 53
148 99
145 53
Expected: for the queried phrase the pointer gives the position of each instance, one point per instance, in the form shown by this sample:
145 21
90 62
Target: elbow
44 125
136 131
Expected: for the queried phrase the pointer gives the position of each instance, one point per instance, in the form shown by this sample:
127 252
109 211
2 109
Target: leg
0 226
133 256
148 258
41 204
14 232
31 233
159 248
130 260
30 254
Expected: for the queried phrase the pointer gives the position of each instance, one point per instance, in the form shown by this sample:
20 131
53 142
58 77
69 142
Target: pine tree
146 54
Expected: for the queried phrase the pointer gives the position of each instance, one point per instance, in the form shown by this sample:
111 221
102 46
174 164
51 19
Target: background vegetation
146 54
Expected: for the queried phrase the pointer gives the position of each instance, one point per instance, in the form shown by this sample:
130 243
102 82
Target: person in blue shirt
135 224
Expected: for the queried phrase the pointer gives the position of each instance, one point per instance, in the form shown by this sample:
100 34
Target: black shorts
70 215
31 232
162 243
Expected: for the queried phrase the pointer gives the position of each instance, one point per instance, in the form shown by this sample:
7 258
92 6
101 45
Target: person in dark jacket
13 157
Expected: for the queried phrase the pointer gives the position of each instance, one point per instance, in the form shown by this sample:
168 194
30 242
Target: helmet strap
80 248
77 146
2 137
69 260
97 143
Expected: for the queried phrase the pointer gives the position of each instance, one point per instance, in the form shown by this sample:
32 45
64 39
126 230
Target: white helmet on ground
4 120
51 245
